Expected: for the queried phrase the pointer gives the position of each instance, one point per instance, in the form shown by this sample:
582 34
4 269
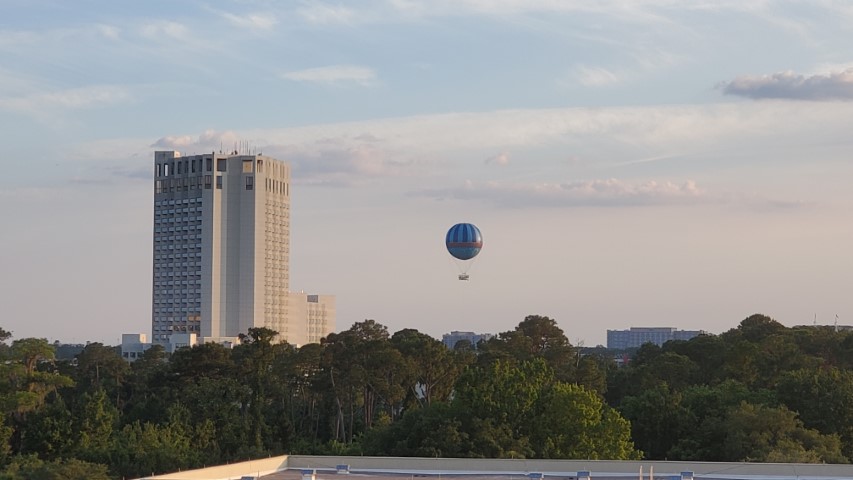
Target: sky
629 163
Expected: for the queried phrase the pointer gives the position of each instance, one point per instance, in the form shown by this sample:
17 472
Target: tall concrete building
222 251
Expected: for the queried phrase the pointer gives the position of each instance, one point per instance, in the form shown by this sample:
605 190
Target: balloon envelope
464 241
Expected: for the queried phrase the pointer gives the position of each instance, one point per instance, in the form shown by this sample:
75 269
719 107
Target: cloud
133 172
501 159
344 160
74 98
108 31
318 13
341 162
16 39
592 193
259 21
167 29
595 76
207 141
334 75
794 86
589 142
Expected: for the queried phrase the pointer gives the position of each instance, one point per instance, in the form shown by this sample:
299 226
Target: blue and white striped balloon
464 241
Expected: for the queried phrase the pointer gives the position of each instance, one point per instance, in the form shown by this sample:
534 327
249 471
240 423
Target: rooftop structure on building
222 252
637 336
451 339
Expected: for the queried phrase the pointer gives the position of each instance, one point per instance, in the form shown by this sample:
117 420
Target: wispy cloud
793 86
334 75
501 159
592 193
108 31
16 39
165 30
342 162
209 140
261 21
320 13
595 76
74 98
648 139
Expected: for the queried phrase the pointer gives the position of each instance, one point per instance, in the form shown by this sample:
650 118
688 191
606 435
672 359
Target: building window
247 166
220 165
219 182
250 182
208 164
193 162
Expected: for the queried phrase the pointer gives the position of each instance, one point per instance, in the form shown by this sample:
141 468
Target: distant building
222 253
451 339
133 345
637 336
67 351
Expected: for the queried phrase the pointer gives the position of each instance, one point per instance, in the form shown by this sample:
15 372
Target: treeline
760 392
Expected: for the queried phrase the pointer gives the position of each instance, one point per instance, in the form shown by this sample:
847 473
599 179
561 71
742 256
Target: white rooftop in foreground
290 467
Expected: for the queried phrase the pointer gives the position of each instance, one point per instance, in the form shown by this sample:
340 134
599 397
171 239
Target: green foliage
32 468
526 412
573 422
536 337
145 448
764 434
49 432
657 419
821 397
759 392
432 431
95 422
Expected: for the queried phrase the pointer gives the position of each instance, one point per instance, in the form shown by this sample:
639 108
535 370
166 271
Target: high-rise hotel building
222 249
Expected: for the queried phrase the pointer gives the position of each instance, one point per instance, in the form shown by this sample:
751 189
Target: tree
572 422
657 420
299 374
27 377
99 366
535 337
764 434
255 357
95 421
707 409
146 388
432 431
822 398
707 352
32 468
49 431
145 448
757 327
592 373
435 368
504 392
366 375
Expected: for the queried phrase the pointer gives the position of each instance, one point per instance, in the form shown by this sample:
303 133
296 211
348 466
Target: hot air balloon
464 241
